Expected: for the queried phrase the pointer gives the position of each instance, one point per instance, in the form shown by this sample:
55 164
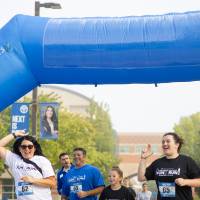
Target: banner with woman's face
49 120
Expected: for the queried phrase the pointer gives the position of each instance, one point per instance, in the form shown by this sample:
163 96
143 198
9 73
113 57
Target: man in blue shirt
66 166
84 181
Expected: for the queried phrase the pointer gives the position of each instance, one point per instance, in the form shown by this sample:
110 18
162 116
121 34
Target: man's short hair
145 183
80 149
63 154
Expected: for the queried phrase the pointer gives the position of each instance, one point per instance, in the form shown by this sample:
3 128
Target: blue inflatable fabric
114 50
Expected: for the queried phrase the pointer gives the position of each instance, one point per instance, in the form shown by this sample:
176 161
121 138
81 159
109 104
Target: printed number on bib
167 189
76 188
24 188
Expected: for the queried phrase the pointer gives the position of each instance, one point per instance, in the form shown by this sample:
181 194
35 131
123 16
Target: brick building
130 145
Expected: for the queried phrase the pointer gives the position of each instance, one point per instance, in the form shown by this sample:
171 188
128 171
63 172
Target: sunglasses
30 146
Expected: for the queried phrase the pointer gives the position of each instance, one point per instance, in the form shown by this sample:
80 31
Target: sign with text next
20 117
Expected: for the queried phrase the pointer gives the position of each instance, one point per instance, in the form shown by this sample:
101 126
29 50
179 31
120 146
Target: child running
116 190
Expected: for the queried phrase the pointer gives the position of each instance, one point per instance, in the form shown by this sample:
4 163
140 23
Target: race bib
76 188
167 189
24 188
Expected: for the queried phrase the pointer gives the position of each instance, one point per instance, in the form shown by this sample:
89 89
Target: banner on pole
20 117
49 120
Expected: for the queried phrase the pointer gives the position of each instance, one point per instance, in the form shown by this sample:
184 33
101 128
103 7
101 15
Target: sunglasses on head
30 146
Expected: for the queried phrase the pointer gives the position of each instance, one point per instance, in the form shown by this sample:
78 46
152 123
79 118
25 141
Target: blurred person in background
66 166
127 183
145 194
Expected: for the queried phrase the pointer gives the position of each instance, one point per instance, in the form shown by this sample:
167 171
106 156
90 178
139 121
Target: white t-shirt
144 195
19 168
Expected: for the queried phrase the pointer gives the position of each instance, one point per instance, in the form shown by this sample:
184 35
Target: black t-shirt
132 192
122 194
165 171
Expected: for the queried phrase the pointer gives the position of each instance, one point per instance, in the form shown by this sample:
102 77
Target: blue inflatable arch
116 50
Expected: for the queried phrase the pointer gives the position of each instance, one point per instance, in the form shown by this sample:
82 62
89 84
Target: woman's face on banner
49 112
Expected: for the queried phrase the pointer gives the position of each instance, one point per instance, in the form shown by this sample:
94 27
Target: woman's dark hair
54 116
54 119
118 170
177 139
17 143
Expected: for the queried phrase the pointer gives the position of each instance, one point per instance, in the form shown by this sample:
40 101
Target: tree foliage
4 129
105 135
105 139
189 129
94 134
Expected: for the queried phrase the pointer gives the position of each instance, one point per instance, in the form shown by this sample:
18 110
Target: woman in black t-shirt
174 174
116 190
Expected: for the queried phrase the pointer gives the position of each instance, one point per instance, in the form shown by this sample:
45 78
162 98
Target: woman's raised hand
20 133
147 152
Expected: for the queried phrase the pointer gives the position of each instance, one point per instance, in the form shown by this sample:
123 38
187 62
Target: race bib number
24 188
167 189
75 188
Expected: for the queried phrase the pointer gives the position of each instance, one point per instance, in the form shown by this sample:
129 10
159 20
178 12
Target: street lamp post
38 5
51 5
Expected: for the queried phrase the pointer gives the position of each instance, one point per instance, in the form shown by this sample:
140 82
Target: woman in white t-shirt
32 172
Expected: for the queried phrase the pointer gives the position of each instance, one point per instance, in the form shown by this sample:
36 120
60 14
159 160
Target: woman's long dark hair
177 139
17 143
54 117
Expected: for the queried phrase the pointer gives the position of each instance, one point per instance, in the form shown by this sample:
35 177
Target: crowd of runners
175 174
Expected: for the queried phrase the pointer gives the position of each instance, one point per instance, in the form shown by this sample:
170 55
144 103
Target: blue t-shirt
60 177
84 178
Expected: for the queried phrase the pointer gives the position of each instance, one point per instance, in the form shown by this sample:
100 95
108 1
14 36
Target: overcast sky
132 107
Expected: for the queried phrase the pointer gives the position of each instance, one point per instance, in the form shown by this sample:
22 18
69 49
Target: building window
140 147
155 148
8 189
124 149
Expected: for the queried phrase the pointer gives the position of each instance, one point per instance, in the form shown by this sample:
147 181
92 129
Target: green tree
4 129
106 136
74 131
189 129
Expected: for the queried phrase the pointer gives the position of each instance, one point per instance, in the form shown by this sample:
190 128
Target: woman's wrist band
14 135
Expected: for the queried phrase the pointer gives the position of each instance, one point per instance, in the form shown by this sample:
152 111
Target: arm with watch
7 139
146 153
